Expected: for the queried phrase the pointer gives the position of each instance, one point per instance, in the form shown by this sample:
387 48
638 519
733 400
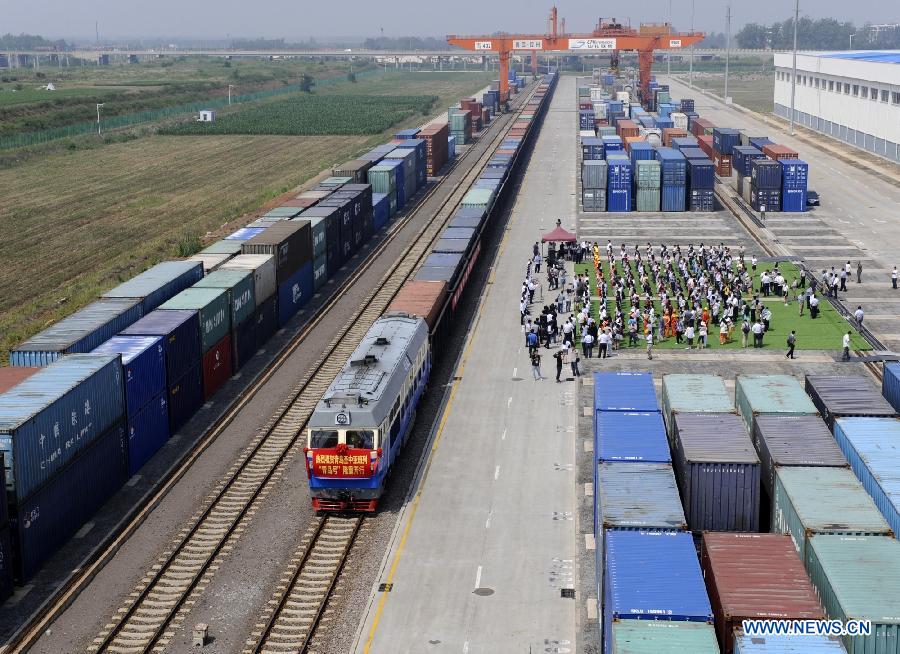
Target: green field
314 115
823 333
755 91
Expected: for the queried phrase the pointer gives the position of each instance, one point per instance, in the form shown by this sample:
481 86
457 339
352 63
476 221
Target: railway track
162 599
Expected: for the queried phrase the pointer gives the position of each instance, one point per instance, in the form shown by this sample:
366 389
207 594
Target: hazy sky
305 18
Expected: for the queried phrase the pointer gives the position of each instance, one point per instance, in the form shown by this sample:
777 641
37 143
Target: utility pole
727 47
98 117
851 40
794 72
230 86
691 71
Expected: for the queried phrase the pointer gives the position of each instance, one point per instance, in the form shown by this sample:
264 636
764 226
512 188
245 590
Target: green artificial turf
823 333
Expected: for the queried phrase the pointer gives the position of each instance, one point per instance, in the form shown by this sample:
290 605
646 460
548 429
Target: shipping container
624 391
420 298
701 174
46 420
806 644
148 430
694 394
478 197
872 446
222 247
593 174
593 200
294 293
890 384
673 166
217 367
765 199
144 367
239 284
159 283
846 395
647 174
778 152
4 508
647 199
630 436
381 211
793 441
290 243
185 397
180 333
650 576
212 262
756 395
810 501
213 306
320 272
858 578
6 562
718 472
673 198
246 233
765 174
44 521
12 376
262 266
755 577
78 333
725 138
742 157
355 169
635 496
663 637
701 200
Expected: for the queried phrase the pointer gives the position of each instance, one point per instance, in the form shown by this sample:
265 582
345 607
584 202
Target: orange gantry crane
608 37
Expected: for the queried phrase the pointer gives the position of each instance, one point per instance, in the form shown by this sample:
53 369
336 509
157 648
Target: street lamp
230 86
691 73
794 72
100 104
851 40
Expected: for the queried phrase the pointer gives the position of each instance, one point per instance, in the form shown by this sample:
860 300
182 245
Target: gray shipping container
289 242
793 441
718 472
694 394
159 283
214 307
593 200
263 267
770 394
845 396
593 174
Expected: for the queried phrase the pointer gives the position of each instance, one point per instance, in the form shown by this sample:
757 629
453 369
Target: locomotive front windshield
360 439
323 438
363 439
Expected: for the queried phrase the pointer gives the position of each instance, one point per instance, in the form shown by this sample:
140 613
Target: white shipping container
601 110
263 267
623 96
680 120
597 94
586 133
211 262
653 135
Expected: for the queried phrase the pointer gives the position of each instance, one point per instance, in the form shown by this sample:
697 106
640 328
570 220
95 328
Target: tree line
30 42
820 34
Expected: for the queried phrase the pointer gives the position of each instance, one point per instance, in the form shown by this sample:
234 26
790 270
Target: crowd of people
651 294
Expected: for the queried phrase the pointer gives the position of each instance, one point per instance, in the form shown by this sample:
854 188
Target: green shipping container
646 199
241 296
223 247
647 174
811 501
215 313
663 637
771 395
478 197
858 578
383 179
694 394
606 130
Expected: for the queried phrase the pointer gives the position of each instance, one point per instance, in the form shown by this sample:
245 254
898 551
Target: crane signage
674 43
592 44
484 45
528 44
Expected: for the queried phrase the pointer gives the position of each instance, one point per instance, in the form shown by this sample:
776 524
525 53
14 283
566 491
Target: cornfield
311 115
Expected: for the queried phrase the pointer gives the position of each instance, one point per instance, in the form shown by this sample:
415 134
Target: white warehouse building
851 96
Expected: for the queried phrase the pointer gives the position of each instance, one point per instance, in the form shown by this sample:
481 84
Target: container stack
647 182
618 187
592 149
460 125
594 175
435 137
794 173
765 185
724 140
586 119
701 178
742 158
238 283
674 179
57 477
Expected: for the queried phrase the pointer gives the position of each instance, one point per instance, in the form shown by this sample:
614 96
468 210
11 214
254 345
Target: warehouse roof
877 56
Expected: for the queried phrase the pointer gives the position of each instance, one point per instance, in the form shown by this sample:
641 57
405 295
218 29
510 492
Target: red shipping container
517 133
420 298
302 203
776 152
755 576
485 117
706 144
670 133
701 126
723 164
216 367
627 128
12 375
585 105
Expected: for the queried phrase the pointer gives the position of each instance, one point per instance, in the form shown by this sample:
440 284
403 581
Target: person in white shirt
845 343
757 334
859 314
689 335
650 345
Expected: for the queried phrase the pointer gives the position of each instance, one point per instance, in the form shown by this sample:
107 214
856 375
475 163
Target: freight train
358 428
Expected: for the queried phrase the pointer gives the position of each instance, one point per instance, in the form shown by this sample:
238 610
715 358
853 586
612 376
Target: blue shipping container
702 200
160 283
725 138
148 430
673 165
81 332
642 151
244 234
793 199
701 174
765 174
872 446
46 420
381 210
806 644
618 199
180 331
592 149
42 523
619 172
630 436
759 141
6 563
294 293
694 153
185 397
683 142
652 576
794 174
144 366
742 156
890 385
673 198
624 391
641 496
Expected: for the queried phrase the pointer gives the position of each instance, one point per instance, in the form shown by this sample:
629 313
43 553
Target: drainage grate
385 588
567 593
